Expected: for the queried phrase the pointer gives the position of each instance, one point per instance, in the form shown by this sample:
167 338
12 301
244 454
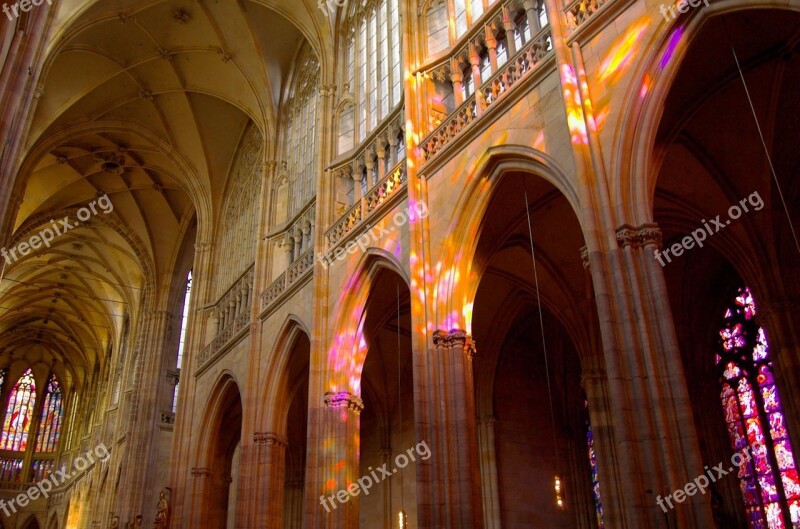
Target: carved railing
524 62
388 187
458 121
229 316
300 269
297 235
519 67
580 11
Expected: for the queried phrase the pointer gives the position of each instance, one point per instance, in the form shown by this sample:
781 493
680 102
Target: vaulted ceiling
145 102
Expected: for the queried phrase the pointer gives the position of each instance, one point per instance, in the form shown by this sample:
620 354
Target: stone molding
638 237
455 338
270 439
344 399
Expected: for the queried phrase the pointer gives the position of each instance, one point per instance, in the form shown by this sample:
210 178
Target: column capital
270 439
455 338
585 258
344 399
637 237
201 472
203 247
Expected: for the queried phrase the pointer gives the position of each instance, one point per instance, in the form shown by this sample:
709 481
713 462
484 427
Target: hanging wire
541 326
763 141
400 403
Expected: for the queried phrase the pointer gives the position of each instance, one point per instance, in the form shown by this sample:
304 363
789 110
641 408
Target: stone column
475 61
491 45
268 468
533 16
489 485
339 429
655 447
357 177
393 145
380 150
510 27
449 482
200 482
457 79
293 505
369 163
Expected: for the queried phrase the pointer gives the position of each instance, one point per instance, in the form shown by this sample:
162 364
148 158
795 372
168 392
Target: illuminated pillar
449 482
336 508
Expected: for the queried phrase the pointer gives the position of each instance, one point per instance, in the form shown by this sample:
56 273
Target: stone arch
458 256
637 169
346 355
274 408
215 454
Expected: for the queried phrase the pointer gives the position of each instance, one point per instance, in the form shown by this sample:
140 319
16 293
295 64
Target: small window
438 39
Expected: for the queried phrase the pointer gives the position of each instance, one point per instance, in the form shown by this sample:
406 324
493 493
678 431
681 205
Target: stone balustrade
520 66
229 316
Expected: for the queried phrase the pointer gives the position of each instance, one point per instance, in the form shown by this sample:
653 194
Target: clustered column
449 482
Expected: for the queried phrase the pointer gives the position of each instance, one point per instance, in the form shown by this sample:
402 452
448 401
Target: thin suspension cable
764 144
541 326
399 392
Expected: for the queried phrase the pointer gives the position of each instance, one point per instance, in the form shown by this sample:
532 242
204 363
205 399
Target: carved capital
270 439
455 338
637 237
585 257
201 472
344 399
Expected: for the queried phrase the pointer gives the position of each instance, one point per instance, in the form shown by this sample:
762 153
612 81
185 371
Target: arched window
300 130
52 416
438 39
18 414
755 420
346 129
181 343
373 48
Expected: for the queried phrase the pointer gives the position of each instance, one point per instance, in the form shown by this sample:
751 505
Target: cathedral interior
399 264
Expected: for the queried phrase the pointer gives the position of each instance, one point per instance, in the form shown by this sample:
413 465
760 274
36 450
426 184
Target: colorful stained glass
751 402
10 469
52 416
42 468
595 477
19 413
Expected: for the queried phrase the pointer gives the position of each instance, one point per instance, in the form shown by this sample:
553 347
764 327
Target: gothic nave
399 264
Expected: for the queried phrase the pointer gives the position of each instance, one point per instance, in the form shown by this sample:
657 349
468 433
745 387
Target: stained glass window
18 414
52 417
593 465
755 420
